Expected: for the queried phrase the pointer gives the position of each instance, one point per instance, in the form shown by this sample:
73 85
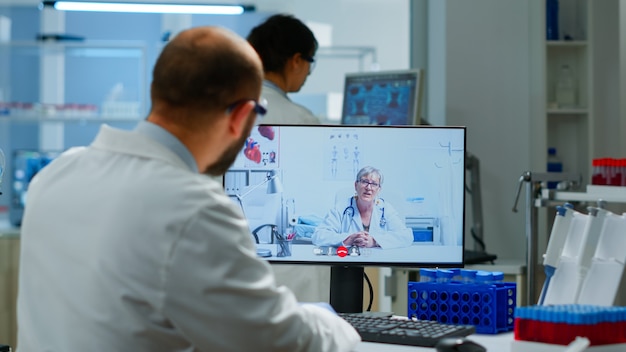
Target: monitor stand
346 289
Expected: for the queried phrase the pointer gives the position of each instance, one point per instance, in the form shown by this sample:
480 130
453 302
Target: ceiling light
104 6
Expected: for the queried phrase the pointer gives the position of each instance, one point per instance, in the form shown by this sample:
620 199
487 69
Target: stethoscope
349 212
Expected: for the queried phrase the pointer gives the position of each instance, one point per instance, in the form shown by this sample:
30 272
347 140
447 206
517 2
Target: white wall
606 84
381 24
480 78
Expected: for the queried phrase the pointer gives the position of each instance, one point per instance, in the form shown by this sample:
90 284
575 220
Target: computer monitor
382 98
25 165
295 180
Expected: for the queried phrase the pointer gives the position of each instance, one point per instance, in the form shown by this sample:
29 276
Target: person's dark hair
279 38
195 74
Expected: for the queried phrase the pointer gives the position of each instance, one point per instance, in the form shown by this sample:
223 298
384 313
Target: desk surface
496 343
415 253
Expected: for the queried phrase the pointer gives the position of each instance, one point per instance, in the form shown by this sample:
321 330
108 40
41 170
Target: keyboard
401 331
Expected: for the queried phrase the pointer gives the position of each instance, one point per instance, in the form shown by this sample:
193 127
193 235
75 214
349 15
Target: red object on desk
563 333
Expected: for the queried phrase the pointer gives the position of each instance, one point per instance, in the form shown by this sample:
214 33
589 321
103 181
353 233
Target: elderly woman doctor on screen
365 220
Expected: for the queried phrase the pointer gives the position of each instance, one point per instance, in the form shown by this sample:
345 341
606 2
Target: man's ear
294 62
238 118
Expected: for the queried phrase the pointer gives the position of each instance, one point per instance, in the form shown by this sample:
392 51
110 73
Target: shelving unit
55 95
45 78
570 128
360 53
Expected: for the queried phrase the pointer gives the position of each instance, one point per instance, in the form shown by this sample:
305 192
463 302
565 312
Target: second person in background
287 49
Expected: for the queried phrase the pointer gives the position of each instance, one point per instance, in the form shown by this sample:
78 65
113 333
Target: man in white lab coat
128 246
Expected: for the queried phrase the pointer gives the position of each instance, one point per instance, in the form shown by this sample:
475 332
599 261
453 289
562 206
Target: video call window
297 180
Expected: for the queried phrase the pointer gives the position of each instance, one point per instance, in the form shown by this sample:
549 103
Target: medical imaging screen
303 190
381 98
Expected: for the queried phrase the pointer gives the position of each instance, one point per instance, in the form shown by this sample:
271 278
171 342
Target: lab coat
312 283
124 248
345 219
281 110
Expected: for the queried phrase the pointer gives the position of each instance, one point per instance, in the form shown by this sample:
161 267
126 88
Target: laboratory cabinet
49 90
55 95
73 78
568 115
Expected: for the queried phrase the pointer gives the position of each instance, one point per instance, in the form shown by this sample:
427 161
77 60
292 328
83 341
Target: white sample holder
591 263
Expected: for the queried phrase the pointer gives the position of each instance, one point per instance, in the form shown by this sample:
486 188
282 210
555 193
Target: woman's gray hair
368 170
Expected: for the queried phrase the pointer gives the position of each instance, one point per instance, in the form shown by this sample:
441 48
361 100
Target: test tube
444 275
484 277
428 275
498 276
457 274
468 276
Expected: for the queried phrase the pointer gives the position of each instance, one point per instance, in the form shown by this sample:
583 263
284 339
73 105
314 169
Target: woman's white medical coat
345 219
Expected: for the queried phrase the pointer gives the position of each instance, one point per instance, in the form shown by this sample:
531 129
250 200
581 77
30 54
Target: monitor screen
353 196
382 98
306 183
25 164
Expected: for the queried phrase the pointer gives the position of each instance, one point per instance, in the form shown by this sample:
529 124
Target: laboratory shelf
573 111
566 43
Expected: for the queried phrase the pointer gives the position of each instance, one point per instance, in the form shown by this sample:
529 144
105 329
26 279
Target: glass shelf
115 49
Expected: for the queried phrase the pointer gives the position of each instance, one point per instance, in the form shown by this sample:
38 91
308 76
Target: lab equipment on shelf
552 19
566 88
554 165
608 172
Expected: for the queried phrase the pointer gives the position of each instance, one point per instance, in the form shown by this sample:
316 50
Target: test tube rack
489 307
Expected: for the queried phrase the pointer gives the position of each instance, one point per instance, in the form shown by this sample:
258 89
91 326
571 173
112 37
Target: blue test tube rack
489 307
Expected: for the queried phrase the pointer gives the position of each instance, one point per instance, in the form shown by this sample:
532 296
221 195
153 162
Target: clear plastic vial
468 276
428 275
483 277
457 274
565 87
444 276
497 276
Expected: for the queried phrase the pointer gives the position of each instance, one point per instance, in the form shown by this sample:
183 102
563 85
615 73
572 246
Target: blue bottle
552 19
554 165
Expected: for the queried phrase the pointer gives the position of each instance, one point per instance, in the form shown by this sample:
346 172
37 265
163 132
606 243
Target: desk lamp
273 186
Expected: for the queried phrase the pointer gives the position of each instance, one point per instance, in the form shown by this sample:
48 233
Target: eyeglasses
366 183
260 107
310 60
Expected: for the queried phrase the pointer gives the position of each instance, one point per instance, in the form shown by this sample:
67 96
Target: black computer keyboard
402 331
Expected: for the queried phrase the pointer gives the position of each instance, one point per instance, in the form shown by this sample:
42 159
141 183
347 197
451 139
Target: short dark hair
197 74
279 38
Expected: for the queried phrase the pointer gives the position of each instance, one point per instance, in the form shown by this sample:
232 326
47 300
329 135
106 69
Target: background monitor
289 177
25 165
382 98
